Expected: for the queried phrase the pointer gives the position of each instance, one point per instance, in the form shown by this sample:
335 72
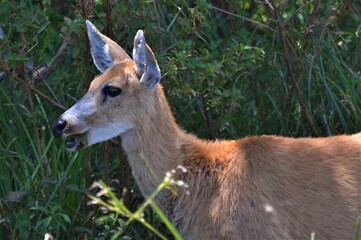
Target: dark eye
111 91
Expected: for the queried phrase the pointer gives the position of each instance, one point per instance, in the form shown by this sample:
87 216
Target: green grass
34 180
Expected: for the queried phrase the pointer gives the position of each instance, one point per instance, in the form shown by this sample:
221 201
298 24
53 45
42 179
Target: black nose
58 127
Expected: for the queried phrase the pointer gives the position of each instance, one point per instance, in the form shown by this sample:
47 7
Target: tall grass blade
61 180
357 229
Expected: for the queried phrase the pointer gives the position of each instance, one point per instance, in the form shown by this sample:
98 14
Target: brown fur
264 187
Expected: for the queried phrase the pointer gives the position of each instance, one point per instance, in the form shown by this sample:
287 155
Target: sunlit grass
113 204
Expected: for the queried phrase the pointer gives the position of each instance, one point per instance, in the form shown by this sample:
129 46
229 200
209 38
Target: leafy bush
230 69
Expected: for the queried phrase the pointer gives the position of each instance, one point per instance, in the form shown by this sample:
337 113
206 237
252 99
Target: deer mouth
77 142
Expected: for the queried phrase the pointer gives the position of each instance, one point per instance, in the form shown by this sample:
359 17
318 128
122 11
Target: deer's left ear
147 67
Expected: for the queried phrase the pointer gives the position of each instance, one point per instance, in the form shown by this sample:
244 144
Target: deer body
265 187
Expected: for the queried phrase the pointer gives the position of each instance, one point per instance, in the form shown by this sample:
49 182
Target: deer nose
58 127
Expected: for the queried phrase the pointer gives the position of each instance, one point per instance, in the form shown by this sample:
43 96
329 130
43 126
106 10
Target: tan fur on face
265 187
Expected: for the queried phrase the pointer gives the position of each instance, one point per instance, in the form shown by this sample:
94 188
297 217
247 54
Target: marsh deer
265 187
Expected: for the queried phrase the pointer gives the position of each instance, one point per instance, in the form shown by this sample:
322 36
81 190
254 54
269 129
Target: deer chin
77 142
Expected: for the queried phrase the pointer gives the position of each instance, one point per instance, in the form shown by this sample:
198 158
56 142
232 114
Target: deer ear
105 52
147 67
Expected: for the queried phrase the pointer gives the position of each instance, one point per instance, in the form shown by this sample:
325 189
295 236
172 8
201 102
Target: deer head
117 99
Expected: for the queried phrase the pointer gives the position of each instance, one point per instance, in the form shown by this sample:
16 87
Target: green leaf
41 209
65 217
165 220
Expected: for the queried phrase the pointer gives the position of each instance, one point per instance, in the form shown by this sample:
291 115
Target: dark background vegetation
230 69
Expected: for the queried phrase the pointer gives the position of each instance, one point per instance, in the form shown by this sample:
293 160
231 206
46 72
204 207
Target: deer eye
111 91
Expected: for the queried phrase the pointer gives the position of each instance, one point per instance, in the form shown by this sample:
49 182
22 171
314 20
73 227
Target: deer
256 187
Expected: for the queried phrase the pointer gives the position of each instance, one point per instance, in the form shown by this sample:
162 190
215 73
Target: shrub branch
271 6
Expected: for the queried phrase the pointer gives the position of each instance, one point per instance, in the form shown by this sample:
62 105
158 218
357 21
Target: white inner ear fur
139 53
102 58
99 48
146 65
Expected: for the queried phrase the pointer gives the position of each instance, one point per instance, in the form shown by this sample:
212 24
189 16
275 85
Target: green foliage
357 228
114 205
230 69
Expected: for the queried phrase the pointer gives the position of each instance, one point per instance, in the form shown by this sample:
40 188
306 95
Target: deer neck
152 147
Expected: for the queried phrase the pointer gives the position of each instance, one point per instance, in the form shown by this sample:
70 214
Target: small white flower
182 168
93 202
268 208
96 185
48 236
102 192
181 183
